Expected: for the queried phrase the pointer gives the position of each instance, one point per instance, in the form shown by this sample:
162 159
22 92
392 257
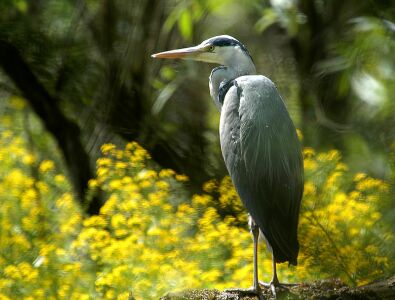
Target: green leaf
185 25
167 73
21 5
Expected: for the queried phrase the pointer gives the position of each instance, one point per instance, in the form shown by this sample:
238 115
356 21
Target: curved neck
223 74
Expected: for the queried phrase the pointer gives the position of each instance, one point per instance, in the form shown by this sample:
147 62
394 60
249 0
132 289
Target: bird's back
263 156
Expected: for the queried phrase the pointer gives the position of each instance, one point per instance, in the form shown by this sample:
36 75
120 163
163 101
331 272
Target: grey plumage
263 156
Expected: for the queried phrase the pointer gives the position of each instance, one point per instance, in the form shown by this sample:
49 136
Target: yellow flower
98 221
154 230
27 271
102 172
93 183
12 272
104 161
28 198
210 186
182 178
110 205
166 173
310 164
107 148
115 184
131 146
121 165
309 188
71 225
42 187
308 152
211 276
201 200
28 159
162 185
118 220
16 178
359 176
375 216
21 242
146 175
145 184
60 178
46 166
330 155
63 290
369 183
119 233
110 294
65 201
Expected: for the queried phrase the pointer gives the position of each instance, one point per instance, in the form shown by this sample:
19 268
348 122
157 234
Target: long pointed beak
190 53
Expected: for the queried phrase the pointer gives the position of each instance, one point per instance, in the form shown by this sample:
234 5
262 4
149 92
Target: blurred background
77 75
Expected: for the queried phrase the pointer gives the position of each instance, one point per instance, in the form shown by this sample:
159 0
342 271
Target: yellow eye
211 48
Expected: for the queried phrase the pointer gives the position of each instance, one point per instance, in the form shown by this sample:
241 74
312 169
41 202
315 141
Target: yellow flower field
152 237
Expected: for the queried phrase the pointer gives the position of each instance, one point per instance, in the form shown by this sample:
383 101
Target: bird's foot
272 286
275 285
252 290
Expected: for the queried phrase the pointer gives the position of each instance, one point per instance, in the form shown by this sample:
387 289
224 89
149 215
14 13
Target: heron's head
223 49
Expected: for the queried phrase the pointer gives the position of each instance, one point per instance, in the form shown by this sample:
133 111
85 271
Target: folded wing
263 156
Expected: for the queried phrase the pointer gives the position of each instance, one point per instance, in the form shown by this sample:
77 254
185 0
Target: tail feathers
284 243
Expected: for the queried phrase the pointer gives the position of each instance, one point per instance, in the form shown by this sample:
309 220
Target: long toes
266 285
273 289
275 282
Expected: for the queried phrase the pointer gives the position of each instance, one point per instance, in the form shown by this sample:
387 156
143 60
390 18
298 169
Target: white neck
236 64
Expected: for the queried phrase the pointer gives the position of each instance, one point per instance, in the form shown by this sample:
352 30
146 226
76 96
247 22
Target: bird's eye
211 48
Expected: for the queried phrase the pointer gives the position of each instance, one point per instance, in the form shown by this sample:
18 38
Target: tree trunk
65 132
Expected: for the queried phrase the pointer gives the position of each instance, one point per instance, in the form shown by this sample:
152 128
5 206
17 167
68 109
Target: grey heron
259 145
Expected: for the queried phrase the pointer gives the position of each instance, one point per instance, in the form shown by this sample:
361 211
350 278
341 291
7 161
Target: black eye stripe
224 41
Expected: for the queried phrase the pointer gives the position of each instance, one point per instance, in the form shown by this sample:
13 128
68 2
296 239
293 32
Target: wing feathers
266 166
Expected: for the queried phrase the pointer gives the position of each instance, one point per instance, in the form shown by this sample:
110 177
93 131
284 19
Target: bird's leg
255 236
256 289
274 282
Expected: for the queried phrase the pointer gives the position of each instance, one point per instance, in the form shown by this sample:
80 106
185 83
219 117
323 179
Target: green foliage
345 53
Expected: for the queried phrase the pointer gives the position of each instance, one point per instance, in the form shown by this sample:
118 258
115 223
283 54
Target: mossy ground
322 289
